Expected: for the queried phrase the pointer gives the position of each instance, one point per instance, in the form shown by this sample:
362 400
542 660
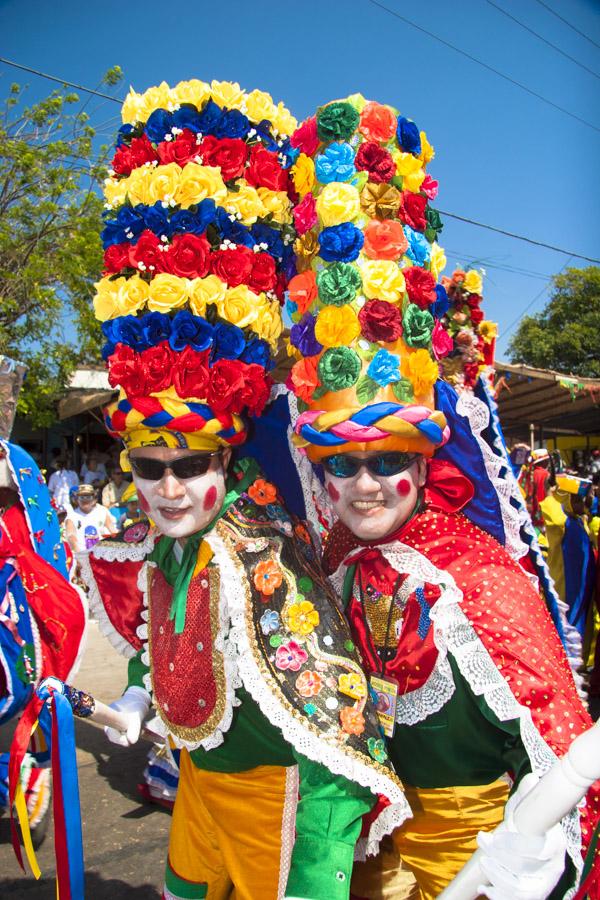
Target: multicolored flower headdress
198 252
366 303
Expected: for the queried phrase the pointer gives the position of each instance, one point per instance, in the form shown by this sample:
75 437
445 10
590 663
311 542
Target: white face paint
374 506
181 506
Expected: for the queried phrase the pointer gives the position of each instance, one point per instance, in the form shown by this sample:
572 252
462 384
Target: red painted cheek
143 502
403 487
210 498
333 492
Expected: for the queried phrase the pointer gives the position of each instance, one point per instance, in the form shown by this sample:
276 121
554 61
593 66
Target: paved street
124 841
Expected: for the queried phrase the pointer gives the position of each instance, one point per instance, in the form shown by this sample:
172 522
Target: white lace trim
221 644
288 827
429 698
313 746
454 633
97 608
119 550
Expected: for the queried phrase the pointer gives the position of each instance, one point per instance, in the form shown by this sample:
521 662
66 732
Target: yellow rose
106 300
277 203
115 191
204 291
283 121
156 98
427 152
164 183
138 184
167 292
198 182
245 204
338 203
303 174
437 262
133 294
473 282
268 324
193 91
488 330
382 280
259 106
239 306
409 168
420 370
227 93
131 111
337 326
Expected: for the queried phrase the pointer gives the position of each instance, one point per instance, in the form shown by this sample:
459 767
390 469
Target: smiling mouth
174 512
366 505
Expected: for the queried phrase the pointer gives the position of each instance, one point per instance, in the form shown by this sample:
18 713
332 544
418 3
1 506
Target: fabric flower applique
383 368
352 685
262 492
269 621
267 577
290 656
302 617
377 749
309 684
352 721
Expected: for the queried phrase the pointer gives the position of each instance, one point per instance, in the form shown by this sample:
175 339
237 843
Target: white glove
518 866
134 704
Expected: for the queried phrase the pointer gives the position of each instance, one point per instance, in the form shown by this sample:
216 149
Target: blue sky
503 157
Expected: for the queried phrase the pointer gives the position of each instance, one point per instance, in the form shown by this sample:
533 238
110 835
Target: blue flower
288 262
228 341
128 330
195 219
383 368
125 133
336 163
289 153
157 220
232 124
157 328
290 307
442 304
158 125
302 336
127 226
340 242
419 249
108 350
269 621
263 130
264 234
233 231
257 351
209 117
187 329
187 117
408 136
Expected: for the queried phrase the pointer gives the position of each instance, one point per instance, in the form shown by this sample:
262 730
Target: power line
572 27
485 65
520 237
468 258
511 234
508 330
539 37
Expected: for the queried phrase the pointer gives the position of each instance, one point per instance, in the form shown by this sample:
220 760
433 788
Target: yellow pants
232 834
426 853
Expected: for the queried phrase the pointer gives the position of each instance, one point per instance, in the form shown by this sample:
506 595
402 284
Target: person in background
533 481
132 513
60 483
90 522
93 471
114 490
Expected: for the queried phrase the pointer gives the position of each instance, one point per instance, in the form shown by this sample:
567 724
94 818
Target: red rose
263 276
305 214
380 321
126 159
412 210
147 254
226 386
305 137
257 388
157 363
188 256
471 371
376 161
420 286
472 300
190 374
116 257
476 315
230 154
265 170
125 369
182 150
280 287
233 266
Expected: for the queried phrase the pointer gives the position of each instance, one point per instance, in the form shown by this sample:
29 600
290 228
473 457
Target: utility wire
511 234
566 21
485 65
540 38
508 330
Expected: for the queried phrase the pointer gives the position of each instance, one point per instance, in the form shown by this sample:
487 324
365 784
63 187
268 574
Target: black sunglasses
182 467
341 465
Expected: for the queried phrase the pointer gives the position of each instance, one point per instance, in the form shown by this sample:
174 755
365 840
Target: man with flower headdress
474 689
231 631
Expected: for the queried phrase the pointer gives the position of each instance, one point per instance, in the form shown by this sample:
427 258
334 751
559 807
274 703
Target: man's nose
366 482
170 487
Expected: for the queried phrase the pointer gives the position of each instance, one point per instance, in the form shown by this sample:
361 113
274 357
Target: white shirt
88 477
92 526
59 485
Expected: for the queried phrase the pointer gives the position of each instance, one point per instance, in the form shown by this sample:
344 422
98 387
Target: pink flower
305 214
441 341
305 137
290 656
430 187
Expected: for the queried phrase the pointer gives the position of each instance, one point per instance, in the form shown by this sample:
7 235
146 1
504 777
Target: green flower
338 283
377 749
275 640
434 224
417 325
337 121
339 368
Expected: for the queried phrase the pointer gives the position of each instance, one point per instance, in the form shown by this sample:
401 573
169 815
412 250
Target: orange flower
309 684
267 577
385 240
304 377
377 122
302 532
262 492
458 275
352 720
303 290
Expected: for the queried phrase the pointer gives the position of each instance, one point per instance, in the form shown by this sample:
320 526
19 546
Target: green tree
50 251
565 336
